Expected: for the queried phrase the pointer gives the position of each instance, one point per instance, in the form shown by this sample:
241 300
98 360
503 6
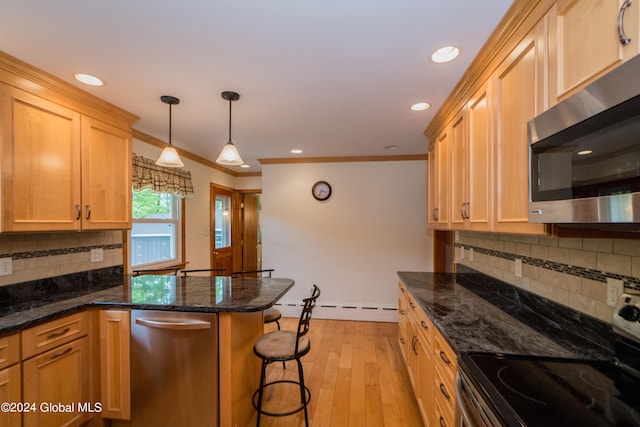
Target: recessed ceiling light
296 151
245 166
420 106
88 79
584 152
445 54
391 147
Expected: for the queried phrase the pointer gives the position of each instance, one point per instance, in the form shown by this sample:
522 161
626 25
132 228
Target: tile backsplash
569 271
41 255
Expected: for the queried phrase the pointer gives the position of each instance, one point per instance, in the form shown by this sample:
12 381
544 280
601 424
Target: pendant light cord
169 124
230 120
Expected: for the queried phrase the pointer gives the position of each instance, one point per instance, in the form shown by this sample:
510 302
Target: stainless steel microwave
584 154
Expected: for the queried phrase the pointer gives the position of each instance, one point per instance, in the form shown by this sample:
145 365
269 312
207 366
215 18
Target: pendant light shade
169 156
229 155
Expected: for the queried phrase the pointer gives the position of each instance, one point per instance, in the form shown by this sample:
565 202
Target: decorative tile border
587 273
64 251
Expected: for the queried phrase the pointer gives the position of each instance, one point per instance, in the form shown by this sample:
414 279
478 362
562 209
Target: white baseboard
343 312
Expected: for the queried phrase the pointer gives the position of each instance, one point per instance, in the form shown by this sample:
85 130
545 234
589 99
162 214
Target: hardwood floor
356 376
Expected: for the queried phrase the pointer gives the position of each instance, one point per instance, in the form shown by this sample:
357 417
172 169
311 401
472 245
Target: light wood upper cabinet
518 96
479 207
586 39
459 171
439 175
61 170
106 176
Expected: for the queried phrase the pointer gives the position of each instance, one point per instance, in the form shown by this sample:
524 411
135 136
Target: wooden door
115 375
251 257
10 392
432 186
516 83
480 153
106 176
459 172
40 164
222 226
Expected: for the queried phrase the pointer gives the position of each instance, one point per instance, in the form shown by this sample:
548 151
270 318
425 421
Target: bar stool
280 346
271 314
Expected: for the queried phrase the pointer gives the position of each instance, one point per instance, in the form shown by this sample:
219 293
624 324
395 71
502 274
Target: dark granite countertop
477 313
204 294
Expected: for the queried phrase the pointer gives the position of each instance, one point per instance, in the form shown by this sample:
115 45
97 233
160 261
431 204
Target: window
155 234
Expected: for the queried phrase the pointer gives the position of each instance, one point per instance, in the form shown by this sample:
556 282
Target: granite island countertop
202 294
476 313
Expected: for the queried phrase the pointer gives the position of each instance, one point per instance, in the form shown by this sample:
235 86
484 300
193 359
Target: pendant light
229 155
169 156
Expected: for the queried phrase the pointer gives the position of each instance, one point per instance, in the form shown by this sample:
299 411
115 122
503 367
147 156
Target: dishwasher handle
182 324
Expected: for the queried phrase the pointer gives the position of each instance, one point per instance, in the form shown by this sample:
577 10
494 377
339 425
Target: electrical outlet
457 234
615 287
461 252
518 267
97 255
470 254
5 266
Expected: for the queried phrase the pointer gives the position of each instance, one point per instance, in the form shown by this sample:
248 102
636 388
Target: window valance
160 179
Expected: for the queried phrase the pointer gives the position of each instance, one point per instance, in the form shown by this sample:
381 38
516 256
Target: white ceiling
331 77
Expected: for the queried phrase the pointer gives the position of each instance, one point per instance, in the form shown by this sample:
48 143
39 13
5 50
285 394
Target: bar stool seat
281 346
272 315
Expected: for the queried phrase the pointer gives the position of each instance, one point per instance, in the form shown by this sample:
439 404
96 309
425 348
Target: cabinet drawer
424 327
445 357
444 391
442 417
57 332
9 350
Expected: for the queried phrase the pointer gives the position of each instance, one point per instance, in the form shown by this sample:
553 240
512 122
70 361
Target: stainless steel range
513 390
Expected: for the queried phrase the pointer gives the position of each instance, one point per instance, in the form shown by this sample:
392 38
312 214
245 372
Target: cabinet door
432 187
443 161
459 171
106 176
480 153
588 44
10 392
516 83
58 377
40 164
115 390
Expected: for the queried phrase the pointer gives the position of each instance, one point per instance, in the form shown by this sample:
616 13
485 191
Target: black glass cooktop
538 391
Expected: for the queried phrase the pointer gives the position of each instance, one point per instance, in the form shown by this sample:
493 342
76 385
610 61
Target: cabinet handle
62 353
466 211
444 357
443 390
57 334
78 211
88 212
424 324
402 290
403 312
413 345
402 341
435 214
412 305
623 37
442 424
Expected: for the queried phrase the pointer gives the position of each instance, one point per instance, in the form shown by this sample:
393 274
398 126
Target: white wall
352 245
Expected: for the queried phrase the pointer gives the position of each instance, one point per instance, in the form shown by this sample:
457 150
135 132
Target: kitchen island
237 302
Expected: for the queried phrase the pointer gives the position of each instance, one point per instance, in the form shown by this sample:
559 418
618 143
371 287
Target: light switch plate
518 267
470 254
615 288
97 255
5 266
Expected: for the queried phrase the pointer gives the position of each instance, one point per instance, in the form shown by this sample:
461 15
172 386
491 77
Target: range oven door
471 409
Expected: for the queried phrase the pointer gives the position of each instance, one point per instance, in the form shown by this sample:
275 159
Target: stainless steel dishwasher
174 368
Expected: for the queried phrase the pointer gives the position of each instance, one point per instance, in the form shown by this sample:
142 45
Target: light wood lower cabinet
425 354
56 372
10 384
115 390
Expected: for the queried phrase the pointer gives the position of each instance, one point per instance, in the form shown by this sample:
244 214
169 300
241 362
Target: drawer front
52 334
442 417
424 327
444 391
9 350
445 357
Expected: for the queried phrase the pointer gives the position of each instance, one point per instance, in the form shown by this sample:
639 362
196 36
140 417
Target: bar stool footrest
281 414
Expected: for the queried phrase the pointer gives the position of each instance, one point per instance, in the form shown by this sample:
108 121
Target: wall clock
321 190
